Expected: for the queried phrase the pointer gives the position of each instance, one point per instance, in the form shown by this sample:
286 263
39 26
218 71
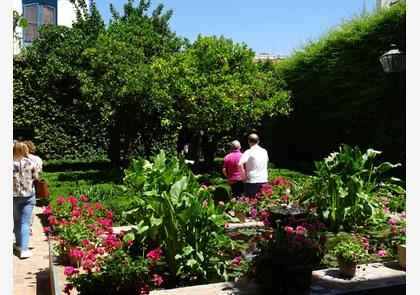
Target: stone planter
346 269
294 280
286 215
401 255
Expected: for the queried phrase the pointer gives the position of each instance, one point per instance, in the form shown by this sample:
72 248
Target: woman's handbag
41 189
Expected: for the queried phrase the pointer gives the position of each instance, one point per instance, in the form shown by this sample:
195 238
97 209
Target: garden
112 109
185 225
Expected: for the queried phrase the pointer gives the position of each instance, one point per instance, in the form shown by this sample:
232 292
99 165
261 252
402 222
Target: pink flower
382 253
157 279
60 199
204 203
284 198
76 253
72 200
221 203
386 210
70 270
47 210
155 254
113 241
288 229
109 214
254 212
236 261
86 243
300 229
83 198
47 229
104 222
264 214
394 219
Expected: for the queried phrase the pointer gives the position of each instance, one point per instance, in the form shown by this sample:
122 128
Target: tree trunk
114 147
129 143
209 149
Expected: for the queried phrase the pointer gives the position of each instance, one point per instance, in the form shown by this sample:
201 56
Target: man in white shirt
253 166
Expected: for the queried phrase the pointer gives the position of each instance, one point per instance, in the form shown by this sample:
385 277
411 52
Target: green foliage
48 77
288 251
74 233
352 250
116 277
212 79
134 114
18 21
172 210
71 218
70 71
340 94
346 184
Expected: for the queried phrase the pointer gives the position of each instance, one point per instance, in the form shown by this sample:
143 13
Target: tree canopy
134 86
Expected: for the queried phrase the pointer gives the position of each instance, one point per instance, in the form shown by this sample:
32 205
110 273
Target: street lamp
393 60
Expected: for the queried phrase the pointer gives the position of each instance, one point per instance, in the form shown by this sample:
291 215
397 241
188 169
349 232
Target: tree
48 79
218 90
120 84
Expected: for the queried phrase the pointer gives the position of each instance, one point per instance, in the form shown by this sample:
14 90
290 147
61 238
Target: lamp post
393 60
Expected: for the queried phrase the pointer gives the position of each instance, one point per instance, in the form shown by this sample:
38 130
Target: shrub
172 210
346 184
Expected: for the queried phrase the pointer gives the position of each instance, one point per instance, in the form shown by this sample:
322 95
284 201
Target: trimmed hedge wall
340 94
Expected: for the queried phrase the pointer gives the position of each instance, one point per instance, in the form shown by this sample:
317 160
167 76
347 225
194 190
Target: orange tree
218 90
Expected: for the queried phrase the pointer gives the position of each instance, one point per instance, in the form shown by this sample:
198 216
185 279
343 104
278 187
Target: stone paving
31 275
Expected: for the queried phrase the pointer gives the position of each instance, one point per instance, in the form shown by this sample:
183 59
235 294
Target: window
37 14
30 12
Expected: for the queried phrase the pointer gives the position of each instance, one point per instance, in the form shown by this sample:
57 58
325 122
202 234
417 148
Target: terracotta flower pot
346 269
401 255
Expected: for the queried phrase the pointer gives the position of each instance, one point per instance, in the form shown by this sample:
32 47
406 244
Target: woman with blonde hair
34 158
24 174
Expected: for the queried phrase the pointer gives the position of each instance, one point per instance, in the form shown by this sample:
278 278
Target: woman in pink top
230 169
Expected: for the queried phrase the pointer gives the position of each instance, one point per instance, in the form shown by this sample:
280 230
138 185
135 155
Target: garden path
31 275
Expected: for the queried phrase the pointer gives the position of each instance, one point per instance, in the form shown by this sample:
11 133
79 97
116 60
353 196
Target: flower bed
184 237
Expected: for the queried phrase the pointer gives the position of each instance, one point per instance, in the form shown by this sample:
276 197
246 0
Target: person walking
34 158
38 167
24 173
253 166
230 169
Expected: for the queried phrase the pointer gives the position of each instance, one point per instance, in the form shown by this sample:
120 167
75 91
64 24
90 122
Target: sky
275 27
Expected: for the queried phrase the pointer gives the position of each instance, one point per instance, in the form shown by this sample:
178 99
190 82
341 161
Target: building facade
386 3
39 12
266 56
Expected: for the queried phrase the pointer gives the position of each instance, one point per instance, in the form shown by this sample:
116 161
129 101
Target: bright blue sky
271 26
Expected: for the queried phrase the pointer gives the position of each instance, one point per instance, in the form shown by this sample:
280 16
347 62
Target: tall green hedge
340 94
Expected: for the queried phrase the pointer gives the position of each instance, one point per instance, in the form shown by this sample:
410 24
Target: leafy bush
172 210
352 250
341 94
346 184
289 251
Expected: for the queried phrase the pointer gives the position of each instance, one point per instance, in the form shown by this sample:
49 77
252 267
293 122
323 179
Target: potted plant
398 224
241 207
350 252
284 263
